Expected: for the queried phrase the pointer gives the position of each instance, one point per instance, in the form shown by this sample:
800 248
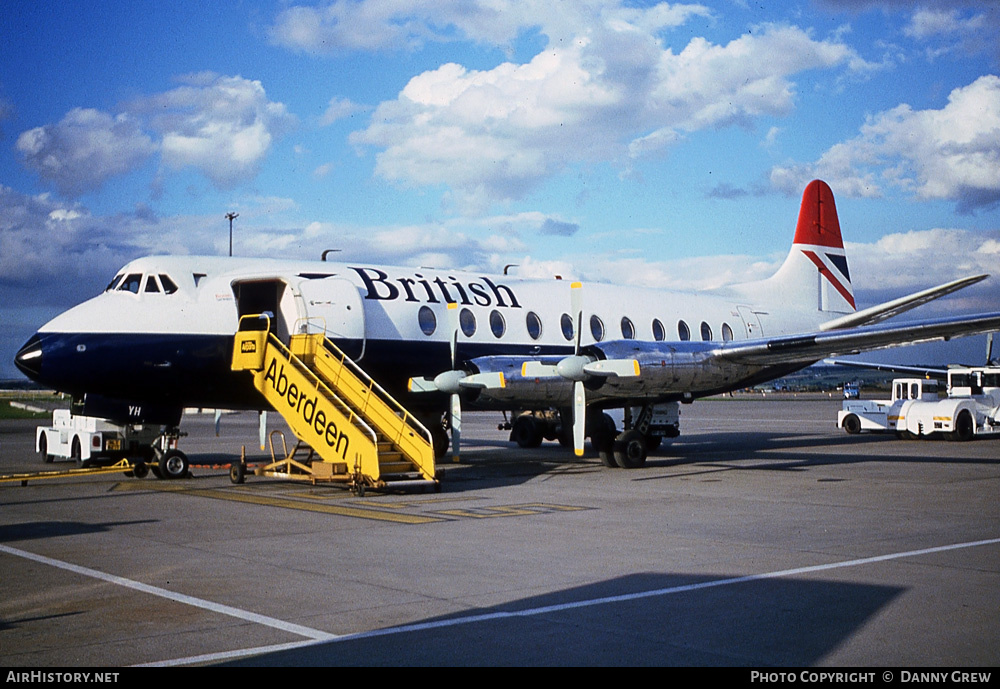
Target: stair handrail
342 406
408 419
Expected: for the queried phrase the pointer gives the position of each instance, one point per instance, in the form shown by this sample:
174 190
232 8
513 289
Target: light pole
231 216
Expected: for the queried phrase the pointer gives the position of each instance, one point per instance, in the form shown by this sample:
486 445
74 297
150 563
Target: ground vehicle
972 407
883 415
88 439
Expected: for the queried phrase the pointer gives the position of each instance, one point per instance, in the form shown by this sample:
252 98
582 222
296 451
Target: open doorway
267 296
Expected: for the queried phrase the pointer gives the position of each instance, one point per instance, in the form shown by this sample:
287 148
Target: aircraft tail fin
815 273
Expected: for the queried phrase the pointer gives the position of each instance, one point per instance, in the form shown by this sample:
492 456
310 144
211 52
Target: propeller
989 349
579 368
453 381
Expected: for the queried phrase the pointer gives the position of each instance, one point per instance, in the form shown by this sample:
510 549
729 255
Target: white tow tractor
90 440
972 408
883 415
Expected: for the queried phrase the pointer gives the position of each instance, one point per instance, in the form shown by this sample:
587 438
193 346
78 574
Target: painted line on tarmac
531 612
236 496
308 632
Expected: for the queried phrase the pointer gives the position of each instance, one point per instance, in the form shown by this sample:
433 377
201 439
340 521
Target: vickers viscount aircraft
160 337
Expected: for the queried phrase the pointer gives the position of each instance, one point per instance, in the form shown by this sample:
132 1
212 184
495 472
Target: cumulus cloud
611 95
378 25
85 149
338 109
222 126
952 153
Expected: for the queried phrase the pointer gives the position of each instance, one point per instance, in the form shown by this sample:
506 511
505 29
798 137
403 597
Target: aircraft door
334 304
269 295
751 322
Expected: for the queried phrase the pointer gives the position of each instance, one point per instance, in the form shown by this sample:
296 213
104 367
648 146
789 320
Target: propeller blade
536 369
453 325
421 385
456 426
218 421
623 368
490 381
262 427
579 417
989 348
576 306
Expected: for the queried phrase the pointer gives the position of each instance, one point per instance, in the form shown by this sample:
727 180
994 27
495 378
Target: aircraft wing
921 371
881 312
812 347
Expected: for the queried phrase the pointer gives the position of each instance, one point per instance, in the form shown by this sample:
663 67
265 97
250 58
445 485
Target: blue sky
647 143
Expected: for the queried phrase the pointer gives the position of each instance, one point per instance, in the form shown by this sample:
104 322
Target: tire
43 449
238 473
174 464
630 450
440 439
76 454
965 427
852 424
526 432
140 469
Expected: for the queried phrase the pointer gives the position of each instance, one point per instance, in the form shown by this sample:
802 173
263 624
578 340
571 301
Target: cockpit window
169 286
113 283
130 283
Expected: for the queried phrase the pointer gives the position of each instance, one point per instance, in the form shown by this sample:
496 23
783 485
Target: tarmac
763 537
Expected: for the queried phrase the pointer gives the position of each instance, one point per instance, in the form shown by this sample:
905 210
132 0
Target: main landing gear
645 429
630 448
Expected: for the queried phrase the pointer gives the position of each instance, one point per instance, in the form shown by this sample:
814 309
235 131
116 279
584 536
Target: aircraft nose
29 358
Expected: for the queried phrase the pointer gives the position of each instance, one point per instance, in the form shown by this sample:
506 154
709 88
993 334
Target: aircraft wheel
852 424
43 449
630 450
173 464
238 473
964 427
440 439
526 432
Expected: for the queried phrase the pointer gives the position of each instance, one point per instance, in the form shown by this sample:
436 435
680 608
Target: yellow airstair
362 436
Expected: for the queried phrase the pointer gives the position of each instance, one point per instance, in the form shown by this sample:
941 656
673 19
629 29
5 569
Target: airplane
160 337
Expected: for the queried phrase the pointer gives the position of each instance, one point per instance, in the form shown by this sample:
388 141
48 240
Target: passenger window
169 287
628 330
131 283
659 334
467 321
683 331
566 323
497 323
597 328
534 324
427 320
151 285
706 331
727 333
